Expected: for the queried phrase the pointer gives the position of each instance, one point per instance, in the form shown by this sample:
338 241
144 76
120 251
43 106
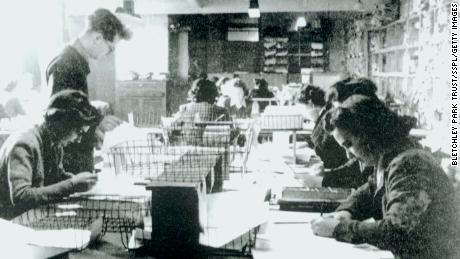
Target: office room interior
229 129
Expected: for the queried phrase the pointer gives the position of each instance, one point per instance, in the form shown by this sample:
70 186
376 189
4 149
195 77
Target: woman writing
31 172
409 196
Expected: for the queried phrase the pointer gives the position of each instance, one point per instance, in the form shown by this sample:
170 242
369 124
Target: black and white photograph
226 129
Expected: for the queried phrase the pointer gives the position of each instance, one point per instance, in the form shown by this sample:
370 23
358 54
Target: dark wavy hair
312 94
262 83
343 89
370 120
203 90
69 110
105 22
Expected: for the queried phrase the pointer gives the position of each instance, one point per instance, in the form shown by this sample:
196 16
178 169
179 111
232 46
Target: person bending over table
70 70
338 170
31 172
409 196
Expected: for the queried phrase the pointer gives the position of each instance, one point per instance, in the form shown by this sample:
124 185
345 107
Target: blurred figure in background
260 90
203 97
235 89
202 107
214 79
313 100
221 84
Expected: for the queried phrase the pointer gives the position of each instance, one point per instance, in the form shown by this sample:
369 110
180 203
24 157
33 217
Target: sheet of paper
13 233
289 235
17 235
231 214
124 186
64 238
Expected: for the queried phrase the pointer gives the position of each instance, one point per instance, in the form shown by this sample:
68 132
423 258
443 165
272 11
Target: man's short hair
105 22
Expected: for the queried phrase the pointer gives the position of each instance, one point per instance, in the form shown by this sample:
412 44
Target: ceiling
241 6
146 7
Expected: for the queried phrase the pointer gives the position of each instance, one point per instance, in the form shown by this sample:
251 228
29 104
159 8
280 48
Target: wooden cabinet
146 99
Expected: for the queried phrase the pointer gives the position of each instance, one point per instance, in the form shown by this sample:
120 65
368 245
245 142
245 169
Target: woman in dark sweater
339 170
201 108
408 195
260 91
31 172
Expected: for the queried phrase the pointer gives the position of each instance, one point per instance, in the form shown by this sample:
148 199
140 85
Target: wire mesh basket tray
280 122
99 214
163 162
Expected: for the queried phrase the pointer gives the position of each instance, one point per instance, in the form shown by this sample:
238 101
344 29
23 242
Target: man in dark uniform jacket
69 70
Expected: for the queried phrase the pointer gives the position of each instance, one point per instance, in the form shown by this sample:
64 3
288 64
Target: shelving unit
406 58
290 51
276 55
307 50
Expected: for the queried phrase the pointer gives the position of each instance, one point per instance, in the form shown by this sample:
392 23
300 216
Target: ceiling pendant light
301 22
358 6
253 10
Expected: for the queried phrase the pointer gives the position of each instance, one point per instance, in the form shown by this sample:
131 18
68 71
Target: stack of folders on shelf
275 56
315 199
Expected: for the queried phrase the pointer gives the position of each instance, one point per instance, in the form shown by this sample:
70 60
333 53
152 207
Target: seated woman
409 196
31 172
201 108
223 100
235 89
260 91
313 100
339 170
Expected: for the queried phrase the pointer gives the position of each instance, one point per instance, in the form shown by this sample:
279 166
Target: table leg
294 141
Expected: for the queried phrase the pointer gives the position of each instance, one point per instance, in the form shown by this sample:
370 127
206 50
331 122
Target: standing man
69 70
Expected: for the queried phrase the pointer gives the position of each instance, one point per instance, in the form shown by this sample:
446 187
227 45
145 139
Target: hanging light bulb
253 10
358 6
301 22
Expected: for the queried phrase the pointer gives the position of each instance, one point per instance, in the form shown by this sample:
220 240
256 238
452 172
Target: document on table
66 238
231 214
289 235
119 186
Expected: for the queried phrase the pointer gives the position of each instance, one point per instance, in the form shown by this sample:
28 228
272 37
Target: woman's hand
317 169
324 226
109 123
339 215
99 135
84 181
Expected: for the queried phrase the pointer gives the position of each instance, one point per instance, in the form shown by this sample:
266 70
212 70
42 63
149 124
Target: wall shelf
404 57
396 48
